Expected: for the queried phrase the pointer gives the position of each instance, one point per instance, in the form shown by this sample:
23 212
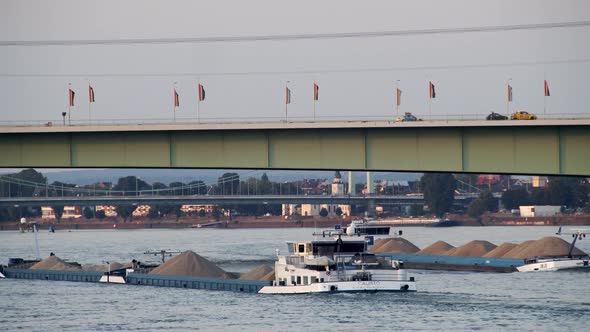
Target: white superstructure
335 265
540 264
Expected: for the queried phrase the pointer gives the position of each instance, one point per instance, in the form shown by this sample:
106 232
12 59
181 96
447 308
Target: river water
550 301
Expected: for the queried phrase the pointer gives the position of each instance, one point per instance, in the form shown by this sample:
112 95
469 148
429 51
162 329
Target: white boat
365 228
360 229
553 264
540 264
333 265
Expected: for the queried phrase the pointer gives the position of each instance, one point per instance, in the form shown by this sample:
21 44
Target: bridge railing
58 122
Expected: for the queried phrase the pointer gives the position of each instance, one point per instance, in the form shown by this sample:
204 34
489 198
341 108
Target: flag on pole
288 96
546 89
398 97
431 92
71 95
509 93
176 100
201 92
316 91
90 94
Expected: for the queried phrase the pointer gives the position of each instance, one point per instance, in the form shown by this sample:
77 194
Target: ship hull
343 287
554 265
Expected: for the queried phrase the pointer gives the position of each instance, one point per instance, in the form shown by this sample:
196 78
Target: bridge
216 199
553 147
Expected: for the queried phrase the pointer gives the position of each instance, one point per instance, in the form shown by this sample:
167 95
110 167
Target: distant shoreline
280 222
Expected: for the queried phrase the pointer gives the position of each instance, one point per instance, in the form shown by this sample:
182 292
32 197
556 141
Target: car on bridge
522 115
407 117
496 116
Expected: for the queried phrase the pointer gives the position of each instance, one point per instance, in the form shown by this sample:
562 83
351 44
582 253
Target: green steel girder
553 150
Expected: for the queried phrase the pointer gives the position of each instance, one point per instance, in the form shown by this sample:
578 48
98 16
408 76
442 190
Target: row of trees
571 193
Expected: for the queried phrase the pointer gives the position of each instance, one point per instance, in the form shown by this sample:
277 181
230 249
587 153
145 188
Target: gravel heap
105 267
269 277
437 248
515 252
546 247
258 273
473 248
378 243
501 250
54 263
189 263
396 245
230 275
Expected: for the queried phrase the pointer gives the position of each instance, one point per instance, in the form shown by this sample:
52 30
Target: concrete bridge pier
371 207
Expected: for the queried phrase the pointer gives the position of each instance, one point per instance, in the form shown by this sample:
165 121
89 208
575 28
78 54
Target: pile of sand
396 245
257 273
105 267
545 247
54 263
230 275
473 248
269 276
516 251
501 250
377 244
96 268
189 263
437 248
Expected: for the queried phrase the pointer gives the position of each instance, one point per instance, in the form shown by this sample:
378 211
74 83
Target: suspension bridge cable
308 72
289 37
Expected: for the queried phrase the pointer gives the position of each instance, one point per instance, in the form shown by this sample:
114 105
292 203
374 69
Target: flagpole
430 95
397 98
70 104
508 97
287 101
89 104
174 103
544 94
199 101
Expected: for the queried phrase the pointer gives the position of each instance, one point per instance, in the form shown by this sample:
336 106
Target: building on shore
69 212
310 210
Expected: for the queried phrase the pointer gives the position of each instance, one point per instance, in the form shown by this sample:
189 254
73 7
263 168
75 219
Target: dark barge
236 285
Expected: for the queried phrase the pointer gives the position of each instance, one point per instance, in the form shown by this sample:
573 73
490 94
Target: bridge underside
517 150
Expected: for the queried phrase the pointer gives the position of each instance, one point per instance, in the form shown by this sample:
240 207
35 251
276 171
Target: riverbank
242 222
280 222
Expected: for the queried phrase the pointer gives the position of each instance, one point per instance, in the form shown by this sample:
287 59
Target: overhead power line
306 72
288 37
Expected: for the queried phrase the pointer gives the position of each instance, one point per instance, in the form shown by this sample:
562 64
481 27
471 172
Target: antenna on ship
577 234
162 252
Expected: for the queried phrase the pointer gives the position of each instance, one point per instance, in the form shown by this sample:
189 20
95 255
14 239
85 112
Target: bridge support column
371 212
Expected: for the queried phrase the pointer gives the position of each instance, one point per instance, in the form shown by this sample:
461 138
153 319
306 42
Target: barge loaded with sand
186 270
483 256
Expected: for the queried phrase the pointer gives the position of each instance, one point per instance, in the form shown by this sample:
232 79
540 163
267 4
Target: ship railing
373 278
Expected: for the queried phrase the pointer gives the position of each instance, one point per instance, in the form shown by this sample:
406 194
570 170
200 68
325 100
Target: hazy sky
247 79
